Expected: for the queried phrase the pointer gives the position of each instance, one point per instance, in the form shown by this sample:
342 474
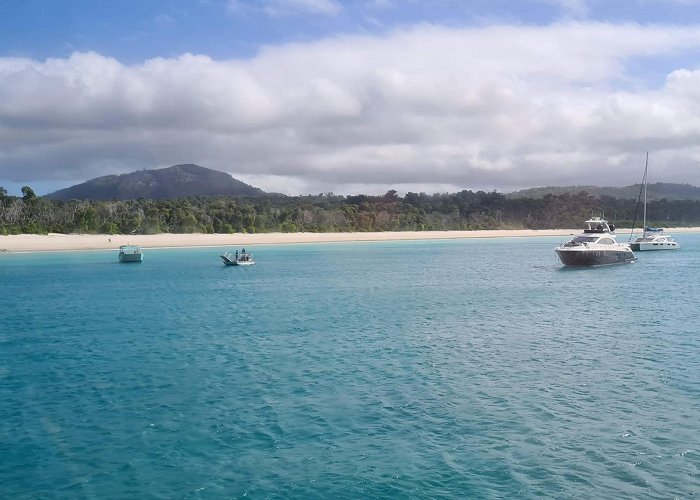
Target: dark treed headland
189 198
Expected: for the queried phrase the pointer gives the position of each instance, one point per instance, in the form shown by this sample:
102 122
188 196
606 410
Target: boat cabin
598 225
587 238
130 253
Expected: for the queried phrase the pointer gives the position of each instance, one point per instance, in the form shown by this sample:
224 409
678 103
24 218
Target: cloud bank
423 109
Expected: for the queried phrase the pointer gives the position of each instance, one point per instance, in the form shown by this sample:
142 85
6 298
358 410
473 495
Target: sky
355 96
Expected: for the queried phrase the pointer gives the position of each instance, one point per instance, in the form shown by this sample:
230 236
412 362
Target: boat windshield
584 239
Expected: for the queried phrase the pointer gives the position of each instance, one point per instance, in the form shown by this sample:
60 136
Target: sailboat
653 238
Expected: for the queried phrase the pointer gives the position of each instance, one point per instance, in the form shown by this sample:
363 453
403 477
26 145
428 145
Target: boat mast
646 168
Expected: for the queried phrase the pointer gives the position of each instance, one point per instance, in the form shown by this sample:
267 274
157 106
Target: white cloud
426 108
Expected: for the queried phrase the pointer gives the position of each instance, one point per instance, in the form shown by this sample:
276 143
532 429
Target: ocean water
431 369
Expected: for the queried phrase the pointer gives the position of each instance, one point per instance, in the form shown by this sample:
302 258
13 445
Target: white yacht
596 246
653 238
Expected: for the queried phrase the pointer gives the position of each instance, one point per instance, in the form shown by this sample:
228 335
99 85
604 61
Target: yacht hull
650 246
238 263
130 257
593 258
233 262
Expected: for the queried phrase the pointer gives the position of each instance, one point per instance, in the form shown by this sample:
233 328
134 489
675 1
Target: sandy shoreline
64 242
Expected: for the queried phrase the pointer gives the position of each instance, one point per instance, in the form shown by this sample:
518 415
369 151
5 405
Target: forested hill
465 210
655 191
174 182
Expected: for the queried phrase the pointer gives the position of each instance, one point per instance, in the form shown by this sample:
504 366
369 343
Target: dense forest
328 212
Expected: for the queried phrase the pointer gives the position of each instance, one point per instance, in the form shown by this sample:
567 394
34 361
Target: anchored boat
653 238
596 246
130 253
241 258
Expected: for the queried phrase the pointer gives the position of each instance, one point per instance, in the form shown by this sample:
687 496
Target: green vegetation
465 210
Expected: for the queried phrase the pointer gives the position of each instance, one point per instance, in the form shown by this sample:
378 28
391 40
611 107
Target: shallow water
450 369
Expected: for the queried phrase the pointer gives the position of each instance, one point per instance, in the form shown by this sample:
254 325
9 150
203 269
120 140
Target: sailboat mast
646 168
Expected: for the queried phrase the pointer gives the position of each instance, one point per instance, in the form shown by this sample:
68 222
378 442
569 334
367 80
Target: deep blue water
431 369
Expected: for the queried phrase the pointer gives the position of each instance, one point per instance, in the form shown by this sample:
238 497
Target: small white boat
130 253
653 238
596 246
241 258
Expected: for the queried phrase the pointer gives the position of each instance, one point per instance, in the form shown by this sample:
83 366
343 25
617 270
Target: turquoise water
432 369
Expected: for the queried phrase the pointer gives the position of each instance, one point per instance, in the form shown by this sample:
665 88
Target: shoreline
53 242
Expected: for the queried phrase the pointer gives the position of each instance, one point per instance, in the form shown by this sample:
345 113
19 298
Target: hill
655 192
165 183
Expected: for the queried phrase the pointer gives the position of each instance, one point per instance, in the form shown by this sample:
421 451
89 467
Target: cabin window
606 241
585 239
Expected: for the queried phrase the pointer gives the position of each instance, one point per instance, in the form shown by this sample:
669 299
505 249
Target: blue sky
307 96
135 30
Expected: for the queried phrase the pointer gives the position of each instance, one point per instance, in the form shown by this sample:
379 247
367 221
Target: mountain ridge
656 191
185 180
178 181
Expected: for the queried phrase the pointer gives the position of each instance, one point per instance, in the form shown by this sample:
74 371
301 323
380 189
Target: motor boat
596 246
130 253
242 258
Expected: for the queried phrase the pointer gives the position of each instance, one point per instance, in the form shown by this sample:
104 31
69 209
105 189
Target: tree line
327 212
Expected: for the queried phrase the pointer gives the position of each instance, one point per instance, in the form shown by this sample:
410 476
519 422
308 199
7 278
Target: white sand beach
65 242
